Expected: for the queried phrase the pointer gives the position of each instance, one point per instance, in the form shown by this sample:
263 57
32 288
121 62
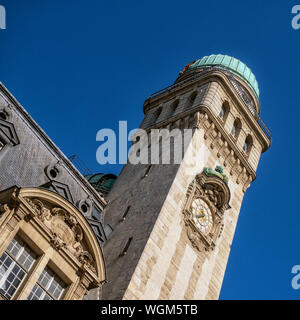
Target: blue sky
80 66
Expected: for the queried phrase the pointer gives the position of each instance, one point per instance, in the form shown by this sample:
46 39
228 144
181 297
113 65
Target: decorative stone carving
60 228
39 209
57 242
4 209
65 230
46 217
207 199
232 157
218 172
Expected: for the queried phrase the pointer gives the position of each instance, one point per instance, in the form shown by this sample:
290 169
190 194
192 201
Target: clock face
202 216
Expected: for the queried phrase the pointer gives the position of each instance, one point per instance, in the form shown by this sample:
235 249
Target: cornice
230 141
211 76
204 109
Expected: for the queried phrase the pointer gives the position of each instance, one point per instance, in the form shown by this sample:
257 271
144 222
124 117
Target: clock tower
173 223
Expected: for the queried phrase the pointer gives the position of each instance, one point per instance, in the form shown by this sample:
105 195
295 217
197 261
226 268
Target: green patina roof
232 64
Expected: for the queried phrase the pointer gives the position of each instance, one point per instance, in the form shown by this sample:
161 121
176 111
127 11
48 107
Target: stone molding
209 77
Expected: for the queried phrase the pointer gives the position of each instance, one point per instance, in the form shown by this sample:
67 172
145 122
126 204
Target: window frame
192 98
45 289
237 127
15 263
225 108
249 144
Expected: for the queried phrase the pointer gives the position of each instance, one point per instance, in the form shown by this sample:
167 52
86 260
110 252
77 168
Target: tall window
248 144
192 99
224 111
156 114
15 263
48 287
236 128
174 107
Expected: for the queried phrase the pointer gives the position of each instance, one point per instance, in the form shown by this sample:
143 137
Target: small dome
232 64
101 182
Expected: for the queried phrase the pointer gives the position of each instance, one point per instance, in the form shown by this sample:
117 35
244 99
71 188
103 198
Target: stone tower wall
161 262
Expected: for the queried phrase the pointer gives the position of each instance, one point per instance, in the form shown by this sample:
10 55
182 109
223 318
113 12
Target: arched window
156 114
71 243
192 99
224 111
174 106
236 128
248 144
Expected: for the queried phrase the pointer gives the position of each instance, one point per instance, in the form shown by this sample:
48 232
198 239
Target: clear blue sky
79 66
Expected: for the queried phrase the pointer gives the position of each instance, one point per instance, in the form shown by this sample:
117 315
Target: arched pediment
67 227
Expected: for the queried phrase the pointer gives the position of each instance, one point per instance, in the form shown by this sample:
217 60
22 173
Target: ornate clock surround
211 187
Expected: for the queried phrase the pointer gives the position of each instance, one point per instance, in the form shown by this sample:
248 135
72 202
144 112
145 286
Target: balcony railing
237 87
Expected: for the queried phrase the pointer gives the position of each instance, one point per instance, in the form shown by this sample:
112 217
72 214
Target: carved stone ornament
64 229
207 199
4 209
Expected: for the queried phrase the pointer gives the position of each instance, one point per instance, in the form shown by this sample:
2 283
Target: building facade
158 231
51 222
180 218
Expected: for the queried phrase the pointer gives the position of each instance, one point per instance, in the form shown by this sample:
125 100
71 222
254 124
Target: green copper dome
232 64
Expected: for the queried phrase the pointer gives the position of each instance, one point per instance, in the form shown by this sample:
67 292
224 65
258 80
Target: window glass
222 112
15 263
48 287
233 130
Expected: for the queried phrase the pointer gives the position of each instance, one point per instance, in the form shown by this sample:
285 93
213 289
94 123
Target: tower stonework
174 223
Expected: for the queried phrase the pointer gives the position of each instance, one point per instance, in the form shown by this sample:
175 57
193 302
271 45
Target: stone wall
161 262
